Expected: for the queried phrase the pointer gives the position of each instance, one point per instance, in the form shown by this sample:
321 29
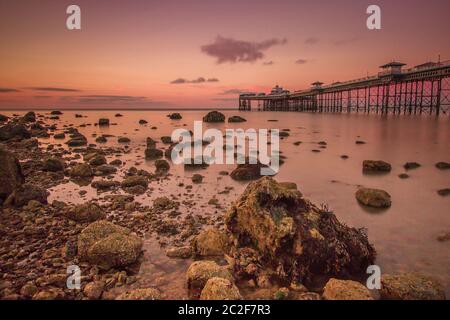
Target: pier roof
393 64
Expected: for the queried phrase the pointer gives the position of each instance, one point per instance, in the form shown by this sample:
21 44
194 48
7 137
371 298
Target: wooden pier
424 89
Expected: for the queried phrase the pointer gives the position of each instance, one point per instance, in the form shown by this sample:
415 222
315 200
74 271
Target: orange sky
129 53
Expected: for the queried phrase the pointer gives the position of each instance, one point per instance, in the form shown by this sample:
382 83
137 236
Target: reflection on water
404 235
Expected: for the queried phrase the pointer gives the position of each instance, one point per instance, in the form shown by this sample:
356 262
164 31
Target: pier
423 89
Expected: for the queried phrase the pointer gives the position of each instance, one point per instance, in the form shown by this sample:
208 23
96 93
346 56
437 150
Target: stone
142 121
175 116
220 289
134 181
29 290
197 178
444 236
77 141
443 165
93 290
376 166
29 117
86 212
50 294
25 193
82 170
101 139
374 198
105 184
166 139
11 175
271 225
103 122
54 164
59 136
199 272
141 294
210 242
162 165
3 118
234 119
444 192
16 131
247 172
107 245
410 286
153 153
179 252
345 290
151 144
97 160
411 165
214 116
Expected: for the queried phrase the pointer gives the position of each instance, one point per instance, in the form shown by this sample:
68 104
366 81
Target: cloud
198 80
268 63
301 61
7 90
343 42
113 100
110 99
233 91
311 41
53 89
232 50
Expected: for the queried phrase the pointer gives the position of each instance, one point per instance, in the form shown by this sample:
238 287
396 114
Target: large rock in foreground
10 131
220 289
10 173
210 242
345 290
200 272
410 286
107 245
86 212
25 193
374 198
276 231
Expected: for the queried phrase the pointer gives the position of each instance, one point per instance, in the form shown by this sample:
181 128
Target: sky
202 53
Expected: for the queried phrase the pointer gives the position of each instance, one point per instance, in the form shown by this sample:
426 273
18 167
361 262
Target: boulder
86 212
175 116
10 173
214 116
142 121
123 140
17 131
93 290
77 141
3 118
134 181
411 165
374 198
82 170
107 245
444 192
210 242
410 286
141 294
443 165
220 289
197 178
25 193
162 165
97 160
29 117
272 227
179 252
153 153
199 272
105 184
376 166
59 136
54 164
236 119
103 122
151 144
345 290
166 139
247 172
101 139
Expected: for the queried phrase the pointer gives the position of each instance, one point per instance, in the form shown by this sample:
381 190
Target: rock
199 272
54 164
123 140
134 181
376 166
17 131
179 252
411 165
410 286
166 140
11 175
118 115
56 112
29 117
3 118
82 170
288 185
360 142
271 225
162 165
444 236
443 165
141 294
97 160
220 289
444 192
28 290
87 212
345 290
105 184
94 290
151 144
142 121
105 170
108 245
197 178
153 153
103 122
50 294
247 172
77 141
403 176
214 116
236 119
101 139
59 136
375 198
210 242
163 204
175 116
25 193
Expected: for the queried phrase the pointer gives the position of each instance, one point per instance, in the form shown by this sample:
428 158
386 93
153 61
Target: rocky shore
271 243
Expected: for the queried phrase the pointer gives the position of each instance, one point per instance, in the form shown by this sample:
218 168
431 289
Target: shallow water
404 235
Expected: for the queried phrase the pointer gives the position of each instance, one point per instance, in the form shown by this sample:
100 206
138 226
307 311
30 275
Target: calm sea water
404 235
